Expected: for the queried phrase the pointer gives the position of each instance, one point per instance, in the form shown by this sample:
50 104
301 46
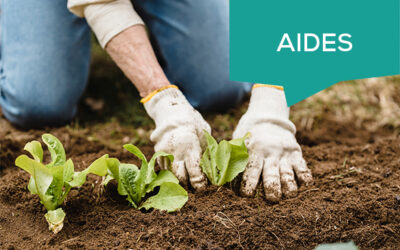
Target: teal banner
307 46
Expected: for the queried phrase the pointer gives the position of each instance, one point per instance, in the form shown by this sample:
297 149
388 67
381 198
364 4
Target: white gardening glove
273 149
180 132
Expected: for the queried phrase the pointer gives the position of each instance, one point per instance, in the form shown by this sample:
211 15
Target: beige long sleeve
107 18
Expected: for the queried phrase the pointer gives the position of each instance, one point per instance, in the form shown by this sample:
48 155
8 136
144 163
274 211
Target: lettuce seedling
224 161
135 183
53 181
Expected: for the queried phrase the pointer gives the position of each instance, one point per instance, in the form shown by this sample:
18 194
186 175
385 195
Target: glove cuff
268 100
163 100
268 104
260 85
152 94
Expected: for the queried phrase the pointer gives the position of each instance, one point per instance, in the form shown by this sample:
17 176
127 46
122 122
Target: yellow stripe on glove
258 85
149 96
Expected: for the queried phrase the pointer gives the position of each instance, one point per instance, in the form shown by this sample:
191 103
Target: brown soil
356 196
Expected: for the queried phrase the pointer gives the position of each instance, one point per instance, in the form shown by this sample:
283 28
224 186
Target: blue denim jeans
45 56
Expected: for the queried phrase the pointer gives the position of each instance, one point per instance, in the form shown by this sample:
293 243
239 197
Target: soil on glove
356 196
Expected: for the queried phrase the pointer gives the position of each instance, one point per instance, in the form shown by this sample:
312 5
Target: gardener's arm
179 127
132 52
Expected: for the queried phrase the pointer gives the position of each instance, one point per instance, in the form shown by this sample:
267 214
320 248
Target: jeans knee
29 115
32 106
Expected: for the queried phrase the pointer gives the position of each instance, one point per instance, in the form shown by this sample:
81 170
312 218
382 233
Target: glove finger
178 168
163 163
251 175
271 180
299 165
202 138
196 176
288 183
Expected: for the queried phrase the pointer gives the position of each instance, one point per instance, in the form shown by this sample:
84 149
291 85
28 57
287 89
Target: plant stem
67 189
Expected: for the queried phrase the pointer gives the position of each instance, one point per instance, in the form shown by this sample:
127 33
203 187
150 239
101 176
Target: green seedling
53 181
135 183
224 161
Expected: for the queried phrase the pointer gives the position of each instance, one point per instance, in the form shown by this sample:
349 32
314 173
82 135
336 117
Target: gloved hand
273 149
179 131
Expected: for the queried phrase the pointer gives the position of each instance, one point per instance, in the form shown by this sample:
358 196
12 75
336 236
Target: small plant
53 181
135 183
224 161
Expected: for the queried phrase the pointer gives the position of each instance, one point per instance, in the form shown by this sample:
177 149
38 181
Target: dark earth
356 196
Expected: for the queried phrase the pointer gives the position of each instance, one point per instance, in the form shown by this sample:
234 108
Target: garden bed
356 196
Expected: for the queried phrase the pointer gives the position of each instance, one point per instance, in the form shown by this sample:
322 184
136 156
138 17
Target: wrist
154 87
132 52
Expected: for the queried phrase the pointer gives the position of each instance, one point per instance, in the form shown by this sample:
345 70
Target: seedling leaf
43 179
162 177
56 186
98 167
56 149
208 161
136 151
68 171
238 158
222 159
128 174
40 174
151 175
32 186
35 149
222 162
170 198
